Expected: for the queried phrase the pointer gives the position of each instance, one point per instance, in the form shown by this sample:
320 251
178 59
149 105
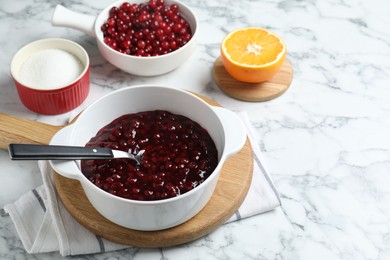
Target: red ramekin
58 100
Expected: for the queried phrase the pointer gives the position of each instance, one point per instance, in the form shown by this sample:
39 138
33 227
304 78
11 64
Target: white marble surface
326 140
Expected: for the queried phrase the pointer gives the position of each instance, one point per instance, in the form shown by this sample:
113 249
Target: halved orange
252 54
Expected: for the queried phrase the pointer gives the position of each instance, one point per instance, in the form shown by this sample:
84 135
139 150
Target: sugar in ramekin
36 92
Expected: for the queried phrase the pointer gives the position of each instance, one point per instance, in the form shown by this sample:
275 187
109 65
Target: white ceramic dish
225 128
142 66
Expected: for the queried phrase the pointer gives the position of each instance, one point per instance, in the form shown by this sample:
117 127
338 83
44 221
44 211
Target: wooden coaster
231 189
264 91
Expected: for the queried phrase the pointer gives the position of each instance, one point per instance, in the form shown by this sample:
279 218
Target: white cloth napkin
44 225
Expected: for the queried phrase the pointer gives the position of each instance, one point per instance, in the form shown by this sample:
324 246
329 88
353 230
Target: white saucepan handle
64 17
67 168
235 132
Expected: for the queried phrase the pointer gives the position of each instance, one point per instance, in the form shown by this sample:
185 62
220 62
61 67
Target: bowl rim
215 173
14 71
104 12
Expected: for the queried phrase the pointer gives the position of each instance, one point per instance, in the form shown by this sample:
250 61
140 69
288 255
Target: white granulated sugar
50 69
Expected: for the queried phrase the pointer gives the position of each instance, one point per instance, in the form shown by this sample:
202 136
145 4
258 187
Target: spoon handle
57 152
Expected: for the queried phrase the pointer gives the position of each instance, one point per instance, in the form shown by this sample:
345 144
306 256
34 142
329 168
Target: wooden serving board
231 189
253 92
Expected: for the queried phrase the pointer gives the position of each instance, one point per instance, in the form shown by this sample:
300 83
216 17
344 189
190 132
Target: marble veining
326 140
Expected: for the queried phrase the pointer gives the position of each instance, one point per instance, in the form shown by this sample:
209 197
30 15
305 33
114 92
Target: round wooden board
253 92
231 189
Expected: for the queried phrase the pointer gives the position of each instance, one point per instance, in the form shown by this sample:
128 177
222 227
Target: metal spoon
58 152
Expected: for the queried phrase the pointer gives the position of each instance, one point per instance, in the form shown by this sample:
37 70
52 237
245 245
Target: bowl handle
66 168
64 17
235 132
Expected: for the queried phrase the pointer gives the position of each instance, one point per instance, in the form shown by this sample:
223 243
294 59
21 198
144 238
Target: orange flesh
253 47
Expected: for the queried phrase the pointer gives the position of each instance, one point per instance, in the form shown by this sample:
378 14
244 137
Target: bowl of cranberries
140 37
185 142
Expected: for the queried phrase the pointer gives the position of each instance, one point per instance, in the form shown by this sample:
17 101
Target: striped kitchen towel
44 225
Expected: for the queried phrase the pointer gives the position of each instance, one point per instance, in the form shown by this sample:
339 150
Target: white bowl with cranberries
185 141
140 37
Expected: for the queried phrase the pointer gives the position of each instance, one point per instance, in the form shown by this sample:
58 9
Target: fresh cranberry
174 8
126 6
179 155
163 22
141 44
173 45
113 11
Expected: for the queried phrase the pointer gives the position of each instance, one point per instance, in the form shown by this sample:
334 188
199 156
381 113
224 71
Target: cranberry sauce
147 29
179 155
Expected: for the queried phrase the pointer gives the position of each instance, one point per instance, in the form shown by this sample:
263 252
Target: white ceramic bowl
225 128
142 66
